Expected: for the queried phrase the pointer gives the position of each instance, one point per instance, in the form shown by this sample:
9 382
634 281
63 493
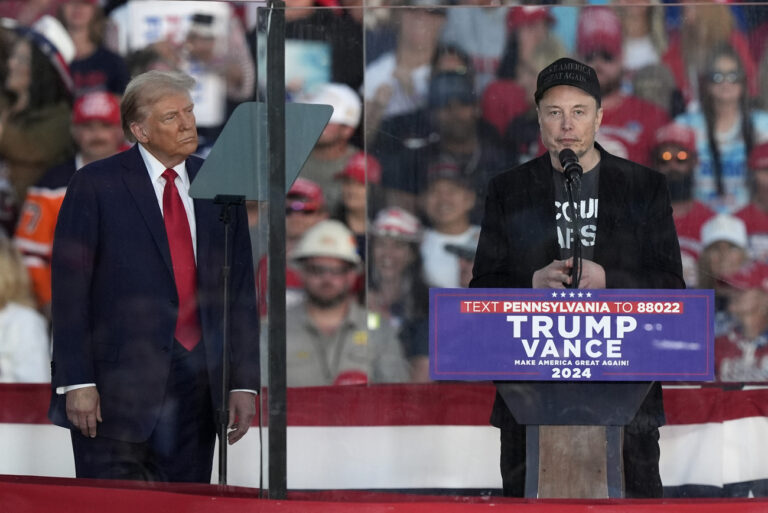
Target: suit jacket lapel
612 193
136 179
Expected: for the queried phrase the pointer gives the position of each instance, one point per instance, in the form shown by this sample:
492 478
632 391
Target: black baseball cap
449 86
570 72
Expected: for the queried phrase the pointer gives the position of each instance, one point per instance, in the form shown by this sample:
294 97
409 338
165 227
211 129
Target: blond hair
145 90
15 285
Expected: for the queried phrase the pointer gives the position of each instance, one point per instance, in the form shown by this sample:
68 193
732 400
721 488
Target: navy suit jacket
115 301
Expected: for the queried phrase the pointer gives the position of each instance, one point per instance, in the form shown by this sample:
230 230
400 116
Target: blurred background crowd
431 99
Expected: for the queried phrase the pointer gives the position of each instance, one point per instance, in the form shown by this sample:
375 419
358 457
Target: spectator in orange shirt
96 130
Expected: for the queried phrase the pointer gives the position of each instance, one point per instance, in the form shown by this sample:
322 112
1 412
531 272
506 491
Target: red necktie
188 331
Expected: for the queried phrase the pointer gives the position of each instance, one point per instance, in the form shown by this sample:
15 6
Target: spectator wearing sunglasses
755 214
727 129
629 123
331 340
304 208
675 156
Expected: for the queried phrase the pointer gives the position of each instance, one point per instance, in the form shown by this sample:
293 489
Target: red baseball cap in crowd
678 134
359 167
599 29
521 15
304 195
97 106
752 276
758 157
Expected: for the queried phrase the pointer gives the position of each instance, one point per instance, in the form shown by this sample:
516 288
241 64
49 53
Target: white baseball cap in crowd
329 238
397 223
724 227
346 103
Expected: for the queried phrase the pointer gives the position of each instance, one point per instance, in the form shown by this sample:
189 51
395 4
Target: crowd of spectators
431 99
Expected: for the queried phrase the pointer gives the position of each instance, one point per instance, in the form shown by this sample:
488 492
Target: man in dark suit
138 307
630 241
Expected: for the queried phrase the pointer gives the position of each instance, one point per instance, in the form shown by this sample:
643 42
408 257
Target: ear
139 132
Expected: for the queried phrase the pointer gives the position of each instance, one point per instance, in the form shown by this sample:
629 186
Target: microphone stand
222 415
573 182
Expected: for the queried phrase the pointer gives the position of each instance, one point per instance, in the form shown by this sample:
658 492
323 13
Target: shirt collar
155 168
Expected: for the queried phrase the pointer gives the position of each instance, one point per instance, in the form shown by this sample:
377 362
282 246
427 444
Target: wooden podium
572 366
574 435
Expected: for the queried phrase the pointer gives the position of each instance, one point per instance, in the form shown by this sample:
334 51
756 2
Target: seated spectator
94 68
726 131
304 208
25 353
359 179
675 156
36 105
333 149
396 289
98 134
741 354
629 123
448 201
724 252
755 214
328 337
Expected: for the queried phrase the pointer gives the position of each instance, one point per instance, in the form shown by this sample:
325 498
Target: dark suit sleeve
75 242
244 350
661 267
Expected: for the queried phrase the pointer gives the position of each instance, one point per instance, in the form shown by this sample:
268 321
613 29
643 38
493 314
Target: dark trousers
640 454
180 448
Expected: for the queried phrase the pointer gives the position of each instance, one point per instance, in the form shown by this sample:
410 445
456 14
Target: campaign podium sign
573 366
571 335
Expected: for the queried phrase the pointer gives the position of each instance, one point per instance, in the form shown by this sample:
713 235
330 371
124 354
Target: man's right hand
553 276
84 409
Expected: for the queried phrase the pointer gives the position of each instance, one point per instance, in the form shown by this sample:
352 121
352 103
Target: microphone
570 163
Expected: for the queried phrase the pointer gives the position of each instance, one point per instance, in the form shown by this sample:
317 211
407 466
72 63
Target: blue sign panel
571 335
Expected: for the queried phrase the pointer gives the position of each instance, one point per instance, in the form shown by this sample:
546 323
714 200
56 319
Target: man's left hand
592 275
242 408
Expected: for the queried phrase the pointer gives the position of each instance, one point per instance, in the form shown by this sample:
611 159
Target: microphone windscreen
567 157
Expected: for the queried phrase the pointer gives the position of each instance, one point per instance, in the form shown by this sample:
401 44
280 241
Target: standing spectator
359 181
304 208
629 123
705 27
24 343
98 135
741 354
675 157
334 148
396 288
459 135
481 31
645 39
511 95
38 94
328 336
223 70
509 104
94 68
755 214
726 131
724 252
396 83
448 201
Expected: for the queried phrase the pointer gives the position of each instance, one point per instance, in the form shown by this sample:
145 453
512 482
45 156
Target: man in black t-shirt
628 242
